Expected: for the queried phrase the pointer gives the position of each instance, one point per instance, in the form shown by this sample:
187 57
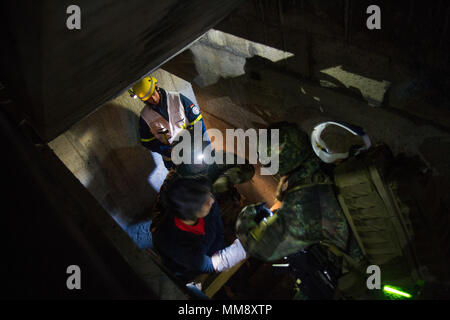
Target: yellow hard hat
145 88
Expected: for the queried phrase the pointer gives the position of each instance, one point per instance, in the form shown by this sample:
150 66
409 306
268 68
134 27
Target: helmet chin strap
320 147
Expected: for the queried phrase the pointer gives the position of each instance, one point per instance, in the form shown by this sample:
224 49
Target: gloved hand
262 212
228 257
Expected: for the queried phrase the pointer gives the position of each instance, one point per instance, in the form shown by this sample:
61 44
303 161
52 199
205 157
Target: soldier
308 216
310 212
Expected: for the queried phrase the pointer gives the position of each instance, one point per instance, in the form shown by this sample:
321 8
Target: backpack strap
351 284
351 222
284 187
338 252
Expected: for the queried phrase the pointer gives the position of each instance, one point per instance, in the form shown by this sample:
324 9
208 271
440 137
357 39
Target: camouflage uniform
310 212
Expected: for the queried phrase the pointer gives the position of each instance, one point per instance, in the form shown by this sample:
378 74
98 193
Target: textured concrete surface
60 75
372 90
104 152
233 52
221 55
411 51
267 93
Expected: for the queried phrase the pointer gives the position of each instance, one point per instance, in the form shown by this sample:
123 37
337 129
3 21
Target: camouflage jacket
310 213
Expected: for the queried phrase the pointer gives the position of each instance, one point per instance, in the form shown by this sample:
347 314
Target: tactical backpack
371 191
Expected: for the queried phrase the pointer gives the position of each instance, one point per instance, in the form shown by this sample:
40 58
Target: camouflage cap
294 146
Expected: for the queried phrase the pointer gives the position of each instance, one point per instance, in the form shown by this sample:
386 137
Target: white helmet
320 148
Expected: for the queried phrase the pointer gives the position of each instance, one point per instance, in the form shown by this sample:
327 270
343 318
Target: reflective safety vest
163 130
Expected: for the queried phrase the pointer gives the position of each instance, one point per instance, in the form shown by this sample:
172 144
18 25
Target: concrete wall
59 76
409 56
268 92
104 153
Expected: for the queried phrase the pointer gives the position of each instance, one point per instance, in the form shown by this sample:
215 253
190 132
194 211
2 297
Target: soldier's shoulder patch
196 110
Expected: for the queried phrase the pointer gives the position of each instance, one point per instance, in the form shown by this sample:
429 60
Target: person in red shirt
190 236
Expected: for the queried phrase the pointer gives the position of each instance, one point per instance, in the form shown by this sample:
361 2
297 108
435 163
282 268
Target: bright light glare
395 291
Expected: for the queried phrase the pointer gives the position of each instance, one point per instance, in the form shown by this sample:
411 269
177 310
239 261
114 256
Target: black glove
262 212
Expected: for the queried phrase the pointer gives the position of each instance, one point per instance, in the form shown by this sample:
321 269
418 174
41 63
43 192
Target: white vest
158 125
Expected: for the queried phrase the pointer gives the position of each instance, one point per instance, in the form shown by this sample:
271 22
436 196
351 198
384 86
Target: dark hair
184 197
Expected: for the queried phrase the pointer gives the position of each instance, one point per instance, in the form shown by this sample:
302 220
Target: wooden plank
214 282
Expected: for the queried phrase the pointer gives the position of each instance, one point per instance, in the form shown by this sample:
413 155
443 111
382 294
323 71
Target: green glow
395 291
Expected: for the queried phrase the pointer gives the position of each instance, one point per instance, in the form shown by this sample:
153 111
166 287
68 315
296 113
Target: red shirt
198 228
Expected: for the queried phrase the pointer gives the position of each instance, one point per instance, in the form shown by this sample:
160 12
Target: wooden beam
215 282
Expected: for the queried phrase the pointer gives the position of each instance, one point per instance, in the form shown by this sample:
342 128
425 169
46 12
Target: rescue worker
165 114
307 217
190 236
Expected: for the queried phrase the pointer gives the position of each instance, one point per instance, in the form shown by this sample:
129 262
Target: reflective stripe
150 90
148 140
172 126
184 126
198 118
